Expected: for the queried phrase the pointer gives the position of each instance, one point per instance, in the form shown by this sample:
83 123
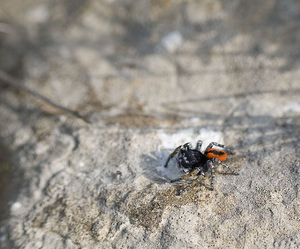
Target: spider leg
172 155
212 144
212 167
220 163
228 167
192 184
198 145
187 146
187 176
212 173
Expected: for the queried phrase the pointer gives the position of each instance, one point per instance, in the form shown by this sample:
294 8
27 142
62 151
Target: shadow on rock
153 166
11 178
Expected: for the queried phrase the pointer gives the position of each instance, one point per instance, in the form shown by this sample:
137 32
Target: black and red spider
195 163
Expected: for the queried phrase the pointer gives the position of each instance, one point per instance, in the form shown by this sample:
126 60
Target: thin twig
13 82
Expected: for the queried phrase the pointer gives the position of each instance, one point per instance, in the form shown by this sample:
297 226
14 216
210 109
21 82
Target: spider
195 163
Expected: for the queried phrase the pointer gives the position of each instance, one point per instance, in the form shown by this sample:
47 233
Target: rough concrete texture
151 75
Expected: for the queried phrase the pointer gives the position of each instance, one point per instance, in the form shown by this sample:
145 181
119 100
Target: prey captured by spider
195 163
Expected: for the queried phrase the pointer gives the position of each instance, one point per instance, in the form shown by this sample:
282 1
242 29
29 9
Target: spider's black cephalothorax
189 159
195 163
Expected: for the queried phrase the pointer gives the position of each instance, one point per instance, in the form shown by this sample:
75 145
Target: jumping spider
195 163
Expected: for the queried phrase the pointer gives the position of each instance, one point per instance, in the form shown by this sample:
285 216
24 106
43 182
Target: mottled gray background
149 75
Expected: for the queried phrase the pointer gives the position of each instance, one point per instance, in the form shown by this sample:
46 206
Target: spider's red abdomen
216 153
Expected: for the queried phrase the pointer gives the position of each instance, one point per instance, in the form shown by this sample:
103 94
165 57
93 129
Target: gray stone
234 79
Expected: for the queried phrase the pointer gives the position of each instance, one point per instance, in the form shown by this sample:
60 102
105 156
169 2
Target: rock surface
232 77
